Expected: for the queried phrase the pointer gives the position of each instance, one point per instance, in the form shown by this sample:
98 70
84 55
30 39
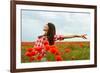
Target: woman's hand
84 36
76 36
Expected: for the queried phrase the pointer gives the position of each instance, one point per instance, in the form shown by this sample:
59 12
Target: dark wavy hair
51 32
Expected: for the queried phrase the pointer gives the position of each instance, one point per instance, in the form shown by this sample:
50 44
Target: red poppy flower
31 59
58 58
81 45
39 58
58 53
29 49
33 53
39 49
67 50
47 47
53 50
46 43
28 54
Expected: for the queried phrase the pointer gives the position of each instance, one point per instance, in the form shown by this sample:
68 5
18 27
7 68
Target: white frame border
20 65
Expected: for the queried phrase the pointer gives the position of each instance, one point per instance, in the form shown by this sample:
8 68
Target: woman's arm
76 36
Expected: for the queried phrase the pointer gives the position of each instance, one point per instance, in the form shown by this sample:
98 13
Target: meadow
68 51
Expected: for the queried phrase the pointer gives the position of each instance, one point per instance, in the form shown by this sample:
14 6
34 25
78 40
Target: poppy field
64 51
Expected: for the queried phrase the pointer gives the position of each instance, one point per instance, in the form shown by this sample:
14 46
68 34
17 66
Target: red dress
41 46
42 42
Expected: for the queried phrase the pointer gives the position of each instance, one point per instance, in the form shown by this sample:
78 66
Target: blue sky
67 23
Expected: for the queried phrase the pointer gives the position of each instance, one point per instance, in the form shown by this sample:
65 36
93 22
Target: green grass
77 52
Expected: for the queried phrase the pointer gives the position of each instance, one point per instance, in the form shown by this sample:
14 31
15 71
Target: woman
46 41
51 37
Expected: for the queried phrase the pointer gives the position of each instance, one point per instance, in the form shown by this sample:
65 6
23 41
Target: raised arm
76 36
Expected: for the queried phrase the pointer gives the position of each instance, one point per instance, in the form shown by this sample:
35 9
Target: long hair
51 32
